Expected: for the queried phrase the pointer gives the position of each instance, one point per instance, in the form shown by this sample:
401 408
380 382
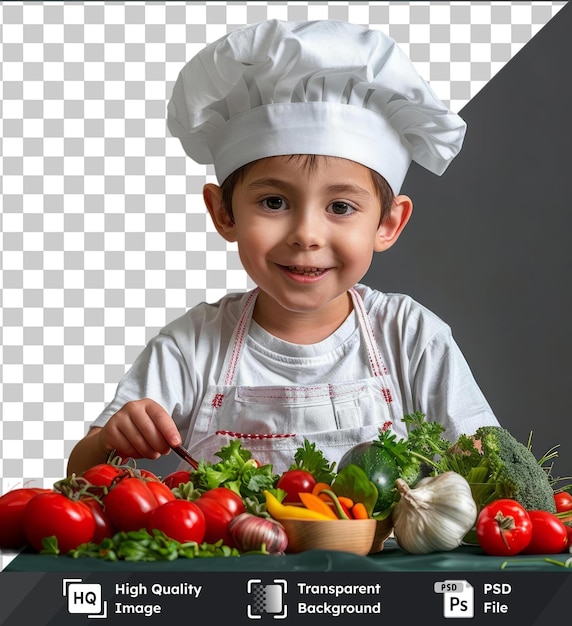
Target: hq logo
267 599
84 598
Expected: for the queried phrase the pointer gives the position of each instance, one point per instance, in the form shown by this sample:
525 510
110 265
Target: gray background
488 247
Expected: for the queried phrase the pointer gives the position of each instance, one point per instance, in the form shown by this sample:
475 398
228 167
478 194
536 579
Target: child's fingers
137 430
164 423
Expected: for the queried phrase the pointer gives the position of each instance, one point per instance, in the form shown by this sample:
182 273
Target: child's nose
307 232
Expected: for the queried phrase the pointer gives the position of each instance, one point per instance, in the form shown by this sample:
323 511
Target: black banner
527 598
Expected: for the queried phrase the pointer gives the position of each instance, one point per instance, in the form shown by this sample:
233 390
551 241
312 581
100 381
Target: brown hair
382 187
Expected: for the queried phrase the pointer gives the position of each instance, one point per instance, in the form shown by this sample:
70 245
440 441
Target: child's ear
392 226
212 196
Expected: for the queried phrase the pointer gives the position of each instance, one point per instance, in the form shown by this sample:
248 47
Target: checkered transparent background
104 233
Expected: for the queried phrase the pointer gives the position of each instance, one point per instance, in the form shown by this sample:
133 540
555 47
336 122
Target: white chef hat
321 87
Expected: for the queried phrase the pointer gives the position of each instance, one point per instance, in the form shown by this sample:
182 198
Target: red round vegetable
549 535
563 502
176 478
161 491
12 506
181 520
295 481
503 528
103 474
217 519
229 499
128 503
71 522
103 527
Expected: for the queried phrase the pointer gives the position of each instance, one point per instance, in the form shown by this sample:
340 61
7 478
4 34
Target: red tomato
569 531
161 491
295 481
563 502
128 503
181 520
52 514
148 474
549 535
176 478
217 519
12 507
103 474
503 528
103 527
229 499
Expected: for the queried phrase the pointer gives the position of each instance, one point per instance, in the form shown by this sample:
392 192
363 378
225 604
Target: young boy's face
305 235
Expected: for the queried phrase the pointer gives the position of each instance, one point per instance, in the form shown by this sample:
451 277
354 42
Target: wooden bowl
356 536
383 530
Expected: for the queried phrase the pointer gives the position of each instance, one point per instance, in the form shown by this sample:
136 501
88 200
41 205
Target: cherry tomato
174 479
563 502
53 514
503 528
181 520
12 506
295 481
128 503
229 499
549 535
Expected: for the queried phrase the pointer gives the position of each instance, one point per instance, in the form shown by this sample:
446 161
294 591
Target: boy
311 128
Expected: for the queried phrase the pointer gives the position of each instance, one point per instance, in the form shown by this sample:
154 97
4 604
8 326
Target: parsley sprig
313 461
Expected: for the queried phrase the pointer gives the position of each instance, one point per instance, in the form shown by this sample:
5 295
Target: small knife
184 454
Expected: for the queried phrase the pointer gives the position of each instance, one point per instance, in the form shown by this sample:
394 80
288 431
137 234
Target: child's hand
141 429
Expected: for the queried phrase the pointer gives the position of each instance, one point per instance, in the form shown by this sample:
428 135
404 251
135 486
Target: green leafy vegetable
389 457
313 461
352 482
381 469
140 545
425 439
237 471
501 467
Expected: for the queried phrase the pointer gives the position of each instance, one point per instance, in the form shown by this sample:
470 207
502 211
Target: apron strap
377 366
237 340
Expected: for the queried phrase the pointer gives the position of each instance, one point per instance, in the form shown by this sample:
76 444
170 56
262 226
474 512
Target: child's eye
274 203
341 208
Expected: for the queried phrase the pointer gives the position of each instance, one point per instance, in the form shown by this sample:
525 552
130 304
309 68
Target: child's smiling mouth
306 271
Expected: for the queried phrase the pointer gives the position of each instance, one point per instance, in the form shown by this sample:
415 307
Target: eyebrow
338 188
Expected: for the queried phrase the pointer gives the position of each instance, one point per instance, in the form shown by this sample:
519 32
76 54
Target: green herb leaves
139 545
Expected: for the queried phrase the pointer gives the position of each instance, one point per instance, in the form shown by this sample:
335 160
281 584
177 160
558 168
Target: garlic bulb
434 515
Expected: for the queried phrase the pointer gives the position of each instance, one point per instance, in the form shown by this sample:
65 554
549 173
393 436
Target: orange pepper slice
318 488
315 503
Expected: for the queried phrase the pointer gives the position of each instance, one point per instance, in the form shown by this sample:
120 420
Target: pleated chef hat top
321 87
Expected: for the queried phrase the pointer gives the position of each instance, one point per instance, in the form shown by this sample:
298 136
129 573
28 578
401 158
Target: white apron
273 421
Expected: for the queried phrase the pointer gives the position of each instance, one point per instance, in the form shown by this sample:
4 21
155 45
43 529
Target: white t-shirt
426 367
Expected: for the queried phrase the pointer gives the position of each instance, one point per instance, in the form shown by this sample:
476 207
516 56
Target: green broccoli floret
502 468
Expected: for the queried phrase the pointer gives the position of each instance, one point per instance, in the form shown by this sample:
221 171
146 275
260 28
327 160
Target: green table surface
391 558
